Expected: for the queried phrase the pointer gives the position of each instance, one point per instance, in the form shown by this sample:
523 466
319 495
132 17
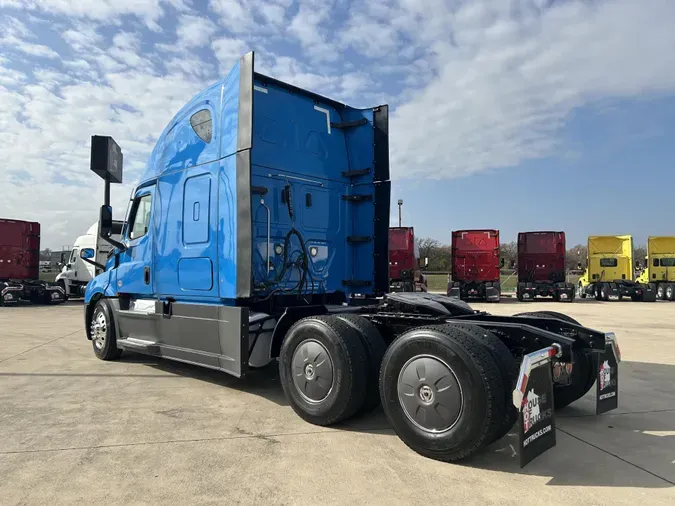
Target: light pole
400 203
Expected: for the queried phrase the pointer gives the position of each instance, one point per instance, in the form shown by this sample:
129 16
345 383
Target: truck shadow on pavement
633 446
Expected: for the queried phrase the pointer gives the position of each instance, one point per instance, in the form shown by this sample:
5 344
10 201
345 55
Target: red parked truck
541 267
475 265
404 262
20 265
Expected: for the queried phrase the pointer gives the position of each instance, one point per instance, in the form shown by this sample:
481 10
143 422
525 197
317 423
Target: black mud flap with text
533 397
607 384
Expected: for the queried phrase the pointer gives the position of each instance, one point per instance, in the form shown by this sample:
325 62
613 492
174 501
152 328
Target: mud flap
607 384
649 293
612 291
566 293
492 292
533 397
454 292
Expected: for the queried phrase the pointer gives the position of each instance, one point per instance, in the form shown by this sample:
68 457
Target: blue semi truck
259 233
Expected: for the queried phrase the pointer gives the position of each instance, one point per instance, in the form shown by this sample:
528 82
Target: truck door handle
146 275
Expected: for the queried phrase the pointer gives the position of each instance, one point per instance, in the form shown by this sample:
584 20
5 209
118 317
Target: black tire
469 422
345 355
582 292
375 349
583 373
508 368
102 332
660 292
669 292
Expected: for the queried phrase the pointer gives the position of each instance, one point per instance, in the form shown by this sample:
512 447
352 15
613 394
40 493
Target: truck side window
140 216
608 262
73 256
201 124
656 262
668 262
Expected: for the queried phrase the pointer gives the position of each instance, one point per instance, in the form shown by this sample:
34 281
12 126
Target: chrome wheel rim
99 329
312 370
430 394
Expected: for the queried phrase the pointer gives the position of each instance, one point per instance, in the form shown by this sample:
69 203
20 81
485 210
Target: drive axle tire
669 293
102 332
508 369
323 369
583 372
442 392
375 349
660 292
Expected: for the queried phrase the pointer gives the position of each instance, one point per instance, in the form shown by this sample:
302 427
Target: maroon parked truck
20 265
475 265
541 267
404 262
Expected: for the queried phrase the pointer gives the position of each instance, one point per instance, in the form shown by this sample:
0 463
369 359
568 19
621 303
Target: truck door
135 274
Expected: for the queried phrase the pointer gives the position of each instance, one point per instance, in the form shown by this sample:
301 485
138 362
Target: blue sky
519 115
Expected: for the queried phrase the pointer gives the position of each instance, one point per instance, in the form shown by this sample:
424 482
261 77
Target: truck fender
286 321
113 304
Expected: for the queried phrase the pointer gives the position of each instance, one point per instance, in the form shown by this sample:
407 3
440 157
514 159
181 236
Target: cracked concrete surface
141 430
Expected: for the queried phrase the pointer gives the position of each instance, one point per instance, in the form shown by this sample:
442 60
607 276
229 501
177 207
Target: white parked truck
78 271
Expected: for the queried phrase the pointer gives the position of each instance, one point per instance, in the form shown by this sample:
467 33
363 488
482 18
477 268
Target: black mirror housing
105 222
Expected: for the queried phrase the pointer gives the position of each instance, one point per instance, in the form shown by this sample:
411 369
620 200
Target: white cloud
228 51
505 87
194 31
13 35
102 10
473 85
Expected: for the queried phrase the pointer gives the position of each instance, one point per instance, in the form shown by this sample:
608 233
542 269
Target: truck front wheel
323 369
442 392
102 332
62 284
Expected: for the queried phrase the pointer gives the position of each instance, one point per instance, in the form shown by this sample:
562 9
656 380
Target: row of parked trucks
258 233
541 272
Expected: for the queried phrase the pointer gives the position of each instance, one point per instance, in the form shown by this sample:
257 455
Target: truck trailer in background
20 265
541 267
659 268
475 265
405 264
609 271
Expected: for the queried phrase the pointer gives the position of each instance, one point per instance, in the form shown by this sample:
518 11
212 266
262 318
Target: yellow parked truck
660 266
609 271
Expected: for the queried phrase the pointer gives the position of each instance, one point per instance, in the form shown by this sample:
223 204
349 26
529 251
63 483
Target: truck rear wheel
102 332
670 292
508 368
375 349
442 392
583 372
323 369
660 291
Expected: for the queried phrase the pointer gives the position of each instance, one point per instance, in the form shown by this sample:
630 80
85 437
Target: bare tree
509 252
576 255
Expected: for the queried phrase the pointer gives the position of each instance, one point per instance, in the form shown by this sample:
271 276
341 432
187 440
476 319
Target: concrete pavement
74 429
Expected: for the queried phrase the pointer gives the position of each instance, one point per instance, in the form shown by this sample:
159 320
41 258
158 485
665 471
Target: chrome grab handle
269 232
